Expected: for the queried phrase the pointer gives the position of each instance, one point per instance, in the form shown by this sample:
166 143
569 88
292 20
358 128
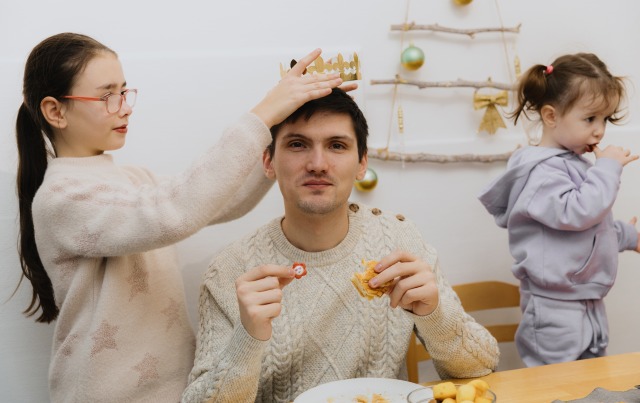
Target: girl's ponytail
32 152
532 92
51 69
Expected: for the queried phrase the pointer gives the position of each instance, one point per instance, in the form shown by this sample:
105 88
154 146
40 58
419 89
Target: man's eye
338 146
296 144
590 119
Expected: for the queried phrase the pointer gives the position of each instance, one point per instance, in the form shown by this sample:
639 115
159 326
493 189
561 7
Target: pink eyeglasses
113 101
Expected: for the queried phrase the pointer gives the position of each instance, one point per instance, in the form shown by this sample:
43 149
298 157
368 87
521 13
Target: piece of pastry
360 280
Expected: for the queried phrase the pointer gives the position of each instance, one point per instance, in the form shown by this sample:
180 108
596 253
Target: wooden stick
447 84
386 155
435 27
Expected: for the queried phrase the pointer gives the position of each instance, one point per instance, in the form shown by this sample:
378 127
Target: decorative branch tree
438 28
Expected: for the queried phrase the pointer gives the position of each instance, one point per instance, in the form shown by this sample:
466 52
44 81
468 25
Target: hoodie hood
501 194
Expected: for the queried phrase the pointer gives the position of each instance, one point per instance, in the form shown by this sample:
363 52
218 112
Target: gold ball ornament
462 2
412 58
368 183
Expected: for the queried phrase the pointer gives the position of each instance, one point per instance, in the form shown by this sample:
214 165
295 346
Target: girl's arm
627 235
559 203
91 214
252 191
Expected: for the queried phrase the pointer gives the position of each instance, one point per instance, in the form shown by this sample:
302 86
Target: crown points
349 70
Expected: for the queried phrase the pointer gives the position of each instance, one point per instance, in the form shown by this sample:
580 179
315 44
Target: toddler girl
556 206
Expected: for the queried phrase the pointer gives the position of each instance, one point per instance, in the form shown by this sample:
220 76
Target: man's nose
317 161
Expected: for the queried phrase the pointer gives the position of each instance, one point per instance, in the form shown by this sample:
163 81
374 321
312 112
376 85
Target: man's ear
54 112
362 169
548 114
267 164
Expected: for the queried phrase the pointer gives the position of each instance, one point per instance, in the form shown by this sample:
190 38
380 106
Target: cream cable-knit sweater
326 331
104 234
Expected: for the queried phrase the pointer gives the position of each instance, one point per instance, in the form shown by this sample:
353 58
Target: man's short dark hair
338 102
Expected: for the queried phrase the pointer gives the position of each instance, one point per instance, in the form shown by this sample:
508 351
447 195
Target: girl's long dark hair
51 70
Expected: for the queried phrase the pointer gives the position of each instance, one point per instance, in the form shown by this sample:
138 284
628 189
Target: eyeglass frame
106 97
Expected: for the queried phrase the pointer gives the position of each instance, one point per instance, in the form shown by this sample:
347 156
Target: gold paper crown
349 70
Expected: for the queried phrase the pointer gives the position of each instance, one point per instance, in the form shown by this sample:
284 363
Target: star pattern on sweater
67 348
87 241
172 312
104 338
138 280
148 369
66 265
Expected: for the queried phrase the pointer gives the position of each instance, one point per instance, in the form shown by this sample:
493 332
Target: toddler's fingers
633 220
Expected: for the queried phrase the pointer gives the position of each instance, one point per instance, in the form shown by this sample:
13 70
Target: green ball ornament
367 183
412 58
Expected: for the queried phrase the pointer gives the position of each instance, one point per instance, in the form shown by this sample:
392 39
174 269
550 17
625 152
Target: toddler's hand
623 156
633 222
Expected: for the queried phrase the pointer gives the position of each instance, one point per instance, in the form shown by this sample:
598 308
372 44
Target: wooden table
565 381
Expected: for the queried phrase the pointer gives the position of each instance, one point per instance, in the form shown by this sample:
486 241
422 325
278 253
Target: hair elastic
548 70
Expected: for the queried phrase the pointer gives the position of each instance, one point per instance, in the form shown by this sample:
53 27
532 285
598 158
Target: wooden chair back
477 296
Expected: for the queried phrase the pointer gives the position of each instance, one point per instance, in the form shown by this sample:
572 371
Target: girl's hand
259 294
295 89
414 288
623 156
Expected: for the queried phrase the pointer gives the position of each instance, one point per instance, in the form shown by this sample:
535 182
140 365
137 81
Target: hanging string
401 131
527 132
504 43
395 91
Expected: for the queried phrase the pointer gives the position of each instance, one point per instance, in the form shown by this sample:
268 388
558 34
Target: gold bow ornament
492 120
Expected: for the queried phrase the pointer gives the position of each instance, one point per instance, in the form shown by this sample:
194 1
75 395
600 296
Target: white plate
394 390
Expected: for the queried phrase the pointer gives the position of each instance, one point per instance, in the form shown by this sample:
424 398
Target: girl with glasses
96 239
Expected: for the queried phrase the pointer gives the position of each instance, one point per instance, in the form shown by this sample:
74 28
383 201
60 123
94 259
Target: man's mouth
317 183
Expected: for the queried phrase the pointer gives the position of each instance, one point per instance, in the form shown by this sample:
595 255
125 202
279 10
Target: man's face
315 163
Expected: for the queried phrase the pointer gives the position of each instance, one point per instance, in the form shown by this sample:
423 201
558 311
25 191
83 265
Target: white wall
199 64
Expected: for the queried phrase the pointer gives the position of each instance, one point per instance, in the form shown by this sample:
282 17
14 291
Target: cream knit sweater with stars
104 234
326 331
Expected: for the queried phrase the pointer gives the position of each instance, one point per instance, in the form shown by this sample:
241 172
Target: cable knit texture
326 331
104 234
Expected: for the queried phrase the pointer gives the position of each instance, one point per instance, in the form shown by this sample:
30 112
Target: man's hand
414 287
259 294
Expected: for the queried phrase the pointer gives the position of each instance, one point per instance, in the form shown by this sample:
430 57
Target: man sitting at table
266 336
